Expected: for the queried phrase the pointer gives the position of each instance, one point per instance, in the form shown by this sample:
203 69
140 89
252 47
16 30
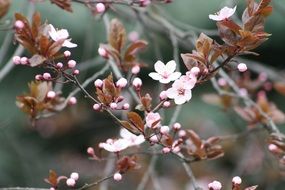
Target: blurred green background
60 142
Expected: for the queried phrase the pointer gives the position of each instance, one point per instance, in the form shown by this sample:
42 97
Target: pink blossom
166 150
126 106
181 89
154 139
90 151
97 107
164 130
24 60
71 64
72 101
176 126
137 82
134 140
133 36
165 73
237 180
98 83
151 118
46 76
51 94
163 95
19 24
76 72
113 105
17 60
59 65
166 104
136 69
100 8
102 52
62 34
67 53
70 182
121 83
223 14
74 175
115 145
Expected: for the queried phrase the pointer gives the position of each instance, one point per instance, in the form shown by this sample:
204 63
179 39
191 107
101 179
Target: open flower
62 34
181 89
224 13
134 140
115 145
165 73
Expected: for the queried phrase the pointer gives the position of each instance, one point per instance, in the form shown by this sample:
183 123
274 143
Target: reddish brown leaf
136 120
130 127
117 35
133 48
64 4
4 7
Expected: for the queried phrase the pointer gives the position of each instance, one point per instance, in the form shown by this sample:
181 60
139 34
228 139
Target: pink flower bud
163 95
164 130
17 60
166 150
176 149
166 104
121 83
195 71
46 76
74 175
136 69
72 101
119 99
176 126
100 7
153 139
76 72
242 67
52 188
117 176
182 133
215 185
101 145
67 53
24 61
237 180
90 151
51 94
133 36
97 107
113 105
144 3
243 92
137 82
126 106
71 64
222 82
102 52
59 65
98 83
262 77
70 182
38 77
19 24
272 147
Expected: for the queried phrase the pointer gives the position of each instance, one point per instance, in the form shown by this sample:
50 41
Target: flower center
181 91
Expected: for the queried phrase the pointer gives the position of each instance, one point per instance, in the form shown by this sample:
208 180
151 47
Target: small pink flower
59 65
151 118
164 130
222 82
39 77
215 185
182 133
67 53
166 104
102 52
90 151
163 95
165 73
24 60
223 14
46 76
272 147
98 83
166 150
154 139
72 101
71 64
62 34
117 176
176 126
76 72
126 106
137 82
17 60
115 145
181 90
113 105
195 71
242 67
134 140
136 69
100 8
97 107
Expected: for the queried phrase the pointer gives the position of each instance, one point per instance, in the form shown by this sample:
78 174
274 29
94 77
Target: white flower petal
53 33
171 66
174 76
188 95
164 80
180 100
159 67
155 76
62 34
215 17
69 44
171 93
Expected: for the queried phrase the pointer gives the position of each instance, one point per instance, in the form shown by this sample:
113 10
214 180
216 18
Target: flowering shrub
120 91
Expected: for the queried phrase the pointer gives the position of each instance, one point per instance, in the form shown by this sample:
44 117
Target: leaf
136 120
194 138
280 88
36 60
117 35
36 24
64 4
133 48
146 102
52 178
130 127
204 44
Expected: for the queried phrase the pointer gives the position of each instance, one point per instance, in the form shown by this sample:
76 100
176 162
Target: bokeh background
60 142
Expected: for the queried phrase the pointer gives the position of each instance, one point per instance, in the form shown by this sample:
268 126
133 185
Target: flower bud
17 60
70 182
72 101
182 133
166 104
153 139
113 105
195 71
163 95
46 76
97 107
176 126
19 24
136 69
98 83
166 150
59 65
121 83
242 67
215 185
164 130
67 53
71 64
126 106
51 94
222 82
38 77
117 176
137 82
24 60
76 72
74 175
176 149
90 151
236 180
100 8
102 52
